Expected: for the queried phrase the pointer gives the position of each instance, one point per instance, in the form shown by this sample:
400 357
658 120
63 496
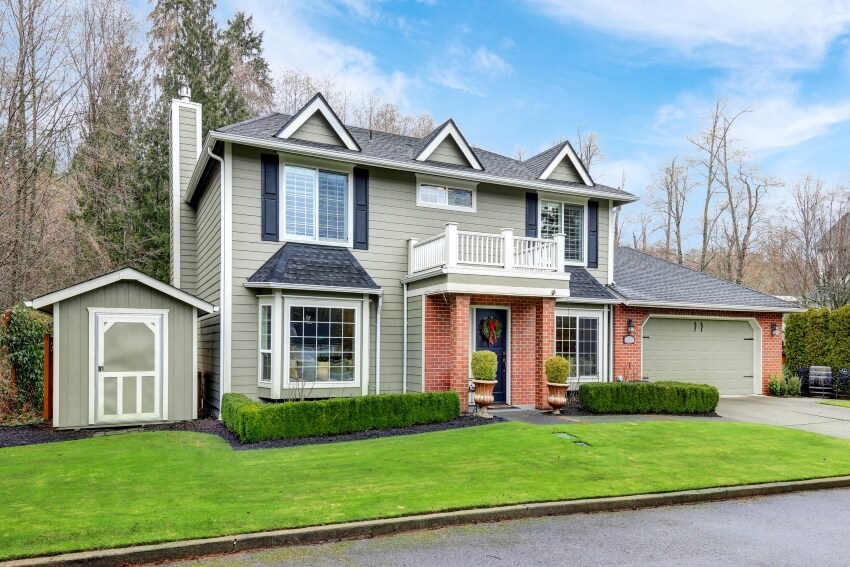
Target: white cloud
488 63
723 33
466 69
292 41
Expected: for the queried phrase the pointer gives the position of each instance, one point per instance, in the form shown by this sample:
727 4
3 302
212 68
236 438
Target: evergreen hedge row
818 337
648 397
255 421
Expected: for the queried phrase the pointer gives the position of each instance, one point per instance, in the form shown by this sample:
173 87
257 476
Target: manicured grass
149 487
842 403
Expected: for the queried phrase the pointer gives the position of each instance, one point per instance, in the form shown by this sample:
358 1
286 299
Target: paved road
806 414
808 528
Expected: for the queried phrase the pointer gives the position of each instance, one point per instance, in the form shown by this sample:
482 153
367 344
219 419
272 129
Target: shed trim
124 274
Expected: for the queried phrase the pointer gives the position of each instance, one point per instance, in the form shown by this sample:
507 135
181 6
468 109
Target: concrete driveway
798 413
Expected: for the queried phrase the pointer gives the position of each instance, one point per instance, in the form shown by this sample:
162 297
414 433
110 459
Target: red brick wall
447 343
627 357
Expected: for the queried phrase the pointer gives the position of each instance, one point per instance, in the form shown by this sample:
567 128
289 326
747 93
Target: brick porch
447 344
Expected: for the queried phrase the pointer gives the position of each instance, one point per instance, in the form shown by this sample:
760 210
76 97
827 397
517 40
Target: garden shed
124 351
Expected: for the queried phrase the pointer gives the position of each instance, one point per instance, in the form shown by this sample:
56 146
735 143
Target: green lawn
150 487
842 403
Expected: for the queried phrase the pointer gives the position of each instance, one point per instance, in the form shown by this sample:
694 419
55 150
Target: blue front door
491 333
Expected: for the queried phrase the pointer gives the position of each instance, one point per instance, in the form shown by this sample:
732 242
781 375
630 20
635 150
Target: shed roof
46 302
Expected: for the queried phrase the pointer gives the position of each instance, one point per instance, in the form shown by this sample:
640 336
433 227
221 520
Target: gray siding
317 129
449 152
71 363
415 313
393 218
565 171
187 141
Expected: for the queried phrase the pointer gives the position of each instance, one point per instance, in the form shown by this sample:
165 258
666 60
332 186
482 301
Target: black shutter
593 234
531 215
269 180
361 208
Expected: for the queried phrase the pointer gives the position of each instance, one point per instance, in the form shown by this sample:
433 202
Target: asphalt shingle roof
585 286
641 277
403 149
313 264
536 165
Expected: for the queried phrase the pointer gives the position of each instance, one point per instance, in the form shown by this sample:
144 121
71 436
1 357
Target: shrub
838 340
22 343
817 347
795 340
256 421
648 397
484 364
775 385
557 370
793 386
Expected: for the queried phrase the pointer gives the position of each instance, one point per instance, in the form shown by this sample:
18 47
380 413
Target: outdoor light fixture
774 329
630 326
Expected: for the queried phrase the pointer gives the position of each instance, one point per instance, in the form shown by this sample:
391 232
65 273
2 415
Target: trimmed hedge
255 421
648 397
818 337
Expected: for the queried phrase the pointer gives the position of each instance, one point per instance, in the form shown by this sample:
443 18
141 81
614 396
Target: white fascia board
485 272
126 274
450 129
568 151
419 167
491 290
710 307
322 288
318 104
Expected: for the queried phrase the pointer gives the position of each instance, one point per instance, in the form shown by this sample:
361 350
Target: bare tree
619 218
668 196
589 149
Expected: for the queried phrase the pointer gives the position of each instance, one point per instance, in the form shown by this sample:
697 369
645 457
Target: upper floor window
444 197
315 204
567 218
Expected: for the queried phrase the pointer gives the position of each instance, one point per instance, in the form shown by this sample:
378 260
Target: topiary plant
484 364
557 370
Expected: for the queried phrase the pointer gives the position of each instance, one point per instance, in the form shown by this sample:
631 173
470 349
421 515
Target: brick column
545 347
460 348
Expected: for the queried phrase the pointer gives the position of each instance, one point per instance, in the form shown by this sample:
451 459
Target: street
807 528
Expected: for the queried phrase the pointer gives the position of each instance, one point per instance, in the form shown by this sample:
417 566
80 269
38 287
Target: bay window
315 204
322 341
567 218
265 343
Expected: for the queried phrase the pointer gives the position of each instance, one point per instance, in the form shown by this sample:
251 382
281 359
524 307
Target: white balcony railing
504 251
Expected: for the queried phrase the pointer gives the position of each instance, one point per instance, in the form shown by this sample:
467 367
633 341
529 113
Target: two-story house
311 259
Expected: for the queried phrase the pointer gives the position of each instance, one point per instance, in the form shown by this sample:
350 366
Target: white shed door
719 352
128 376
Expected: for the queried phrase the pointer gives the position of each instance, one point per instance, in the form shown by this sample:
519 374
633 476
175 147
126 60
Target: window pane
460 198
332 191
432 194
565 340
300 188
550 219
265 327
588 346
322 349
573 223
266 375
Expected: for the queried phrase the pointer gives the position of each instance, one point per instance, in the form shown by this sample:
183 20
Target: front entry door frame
473 317
160 316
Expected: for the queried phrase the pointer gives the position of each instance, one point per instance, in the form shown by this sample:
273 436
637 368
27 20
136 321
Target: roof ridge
717 278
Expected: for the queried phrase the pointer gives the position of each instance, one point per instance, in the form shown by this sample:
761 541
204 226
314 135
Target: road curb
372 528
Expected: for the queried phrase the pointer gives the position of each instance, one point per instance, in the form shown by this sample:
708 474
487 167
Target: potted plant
484 377
557 379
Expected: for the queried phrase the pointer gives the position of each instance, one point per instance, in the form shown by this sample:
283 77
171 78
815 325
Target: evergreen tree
250 74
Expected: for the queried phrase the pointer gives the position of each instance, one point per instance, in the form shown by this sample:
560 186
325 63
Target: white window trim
355 304
265 302
317 165
602 339
449 184
567 201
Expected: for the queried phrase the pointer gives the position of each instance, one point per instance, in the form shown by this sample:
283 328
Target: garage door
705 351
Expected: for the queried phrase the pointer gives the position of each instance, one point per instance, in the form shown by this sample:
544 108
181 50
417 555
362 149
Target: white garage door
704 351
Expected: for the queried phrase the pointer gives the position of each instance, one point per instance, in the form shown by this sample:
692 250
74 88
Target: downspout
378 346
404 340
221 282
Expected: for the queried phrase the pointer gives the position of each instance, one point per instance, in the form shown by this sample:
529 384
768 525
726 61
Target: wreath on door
490 329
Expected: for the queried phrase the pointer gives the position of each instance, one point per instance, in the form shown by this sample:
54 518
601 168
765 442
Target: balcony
501 254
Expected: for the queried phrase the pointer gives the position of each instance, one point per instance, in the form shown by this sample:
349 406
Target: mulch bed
12 436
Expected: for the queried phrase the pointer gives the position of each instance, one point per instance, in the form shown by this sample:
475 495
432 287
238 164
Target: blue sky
641 74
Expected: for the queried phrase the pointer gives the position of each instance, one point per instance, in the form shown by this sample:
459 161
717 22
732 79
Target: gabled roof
543 164
396 151
642 279
448 129
124 274
320 105
314 267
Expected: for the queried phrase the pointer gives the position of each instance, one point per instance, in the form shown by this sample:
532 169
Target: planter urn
557 397
483 396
